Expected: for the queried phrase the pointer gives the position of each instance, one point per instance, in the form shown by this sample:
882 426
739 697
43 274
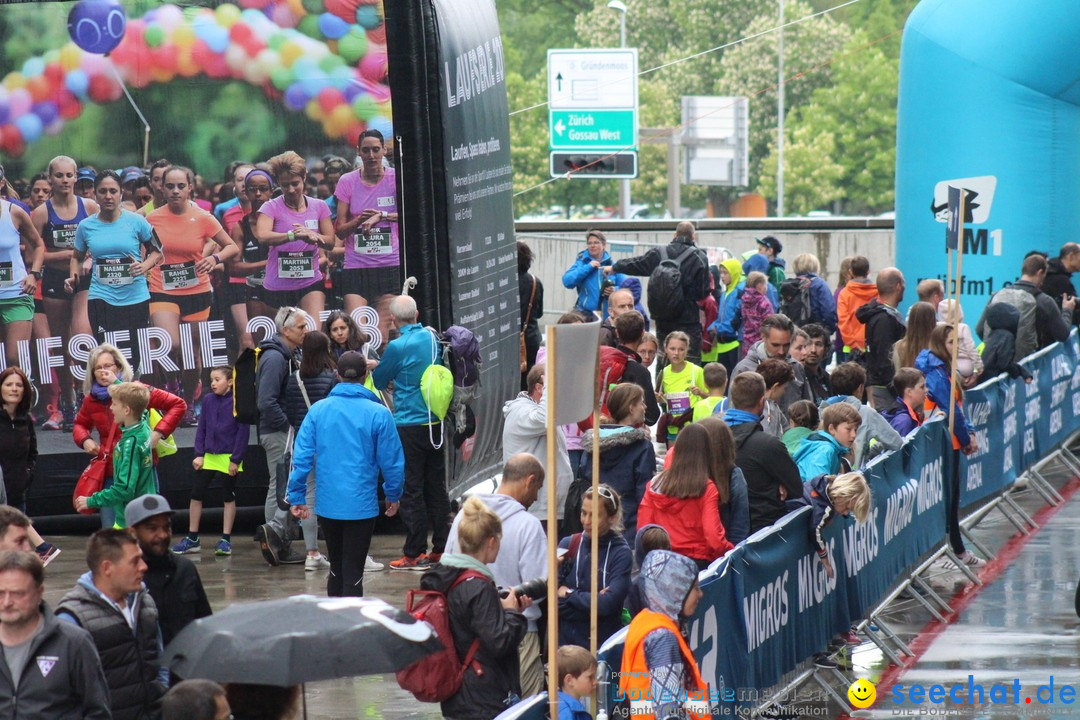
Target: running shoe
418 563
223 548
316 562
823 661
288 556
190 420
54 420
434 558
269 543
850 638
187 545
370 565
971 559
47 552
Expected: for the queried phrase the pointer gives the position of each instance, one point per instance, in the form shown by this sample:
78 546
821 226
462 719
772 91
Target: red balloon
216 67
39 88
103 89
54 74
164 57
70 107
330 98
352 135
240 32
378 35
253 46
11 140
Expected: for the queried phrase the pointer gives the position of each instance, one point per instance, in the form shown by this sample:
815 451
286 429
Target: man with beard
172 580
817 378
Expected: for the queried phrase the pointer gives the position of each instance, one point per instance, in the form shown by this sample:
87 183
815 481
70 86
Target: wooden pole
552 530
594 539
955 313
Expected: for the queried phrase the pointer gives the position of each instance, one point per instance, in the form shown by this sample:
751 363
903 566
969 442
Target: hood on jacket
926 361
734 268
347 389
667 578
867 312
778 262
277 342
639 548
634 286
824 437
585 257
862 289
1002 316
520 397
613 437
503 505
945 306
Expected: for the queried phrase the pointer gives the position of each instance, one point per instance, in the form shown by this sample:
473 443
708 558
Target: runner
16 284
39 191
233 287
157 180
251 263
367 225
180 286
124 249
57 220
295 227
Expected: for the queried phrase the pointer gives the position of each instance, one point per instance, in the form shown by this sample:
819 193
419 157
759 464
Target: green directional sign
593 129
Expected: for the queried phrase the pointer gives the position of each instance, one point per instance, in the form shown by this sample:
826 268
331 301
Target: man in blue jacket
350 438
425 504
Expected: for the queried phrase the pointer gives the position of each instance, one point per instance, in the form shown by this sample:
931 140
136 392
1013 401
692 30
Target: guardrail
768 605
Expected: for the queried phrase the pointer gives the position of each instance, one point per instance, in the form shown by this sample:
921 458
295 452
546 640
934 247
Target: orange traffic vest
634 680
931 406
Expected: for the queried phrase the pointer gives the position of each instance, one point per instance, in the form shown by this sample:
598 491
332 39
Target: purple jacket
218 432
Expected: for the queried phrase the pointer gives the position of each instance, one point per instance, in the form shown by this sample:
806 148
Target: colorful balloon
29 126
77 82
96 26
332 26
367 17
353 46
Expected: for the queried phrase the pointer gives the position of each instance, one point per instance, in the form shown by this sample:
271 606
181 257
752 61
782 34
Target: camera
607 283
535 589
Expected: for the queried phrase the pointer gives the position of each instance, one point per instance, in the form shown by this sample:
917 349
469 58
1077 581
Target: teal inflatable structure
989 101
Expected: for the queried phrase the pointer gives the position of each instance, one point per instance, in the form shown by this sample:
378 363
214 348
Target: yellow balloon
14 81
183 37
185 66
297 8
227 15
70 57
290 53
343 116
313 111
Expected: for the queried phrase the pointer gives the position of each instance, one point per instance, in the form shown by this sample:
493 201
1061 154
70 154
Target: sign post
593 113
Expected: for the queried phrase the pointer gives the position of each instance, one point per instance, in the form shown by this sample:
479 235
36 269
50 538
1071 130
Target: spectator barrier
768 604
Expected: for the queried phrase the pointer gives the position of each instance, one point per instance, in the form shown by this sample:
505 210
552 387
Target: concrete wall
556 244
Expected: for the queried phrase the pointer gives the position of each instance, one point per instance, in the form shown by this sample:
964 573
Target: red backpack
612 366
439 676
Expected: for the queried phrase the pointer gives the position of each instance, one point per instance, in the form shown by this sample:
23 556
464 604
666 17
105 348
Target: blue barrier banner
907 517
992 467
789 607
718 639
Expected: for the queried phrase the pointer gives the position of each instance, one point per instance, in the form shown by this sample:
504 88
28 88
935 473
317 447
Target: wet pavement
1020 625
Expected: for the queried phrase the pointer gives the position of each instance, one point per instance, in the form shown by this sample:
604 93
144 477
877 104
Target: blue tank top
60 234
12 269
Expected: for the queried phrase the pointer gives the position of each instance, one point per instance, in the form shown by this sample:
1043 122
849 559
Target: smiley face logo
862 693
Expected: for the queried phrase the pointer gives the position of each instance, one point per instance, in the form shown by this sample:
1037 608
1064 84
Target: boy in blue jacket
577 680
825 452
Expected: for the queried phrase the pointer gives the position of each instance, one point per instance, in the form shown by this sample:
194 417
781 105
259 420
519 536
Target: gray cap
145 506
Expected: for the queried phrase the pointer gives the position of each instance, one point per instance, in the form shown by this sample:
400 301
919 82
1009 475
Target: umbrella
298 640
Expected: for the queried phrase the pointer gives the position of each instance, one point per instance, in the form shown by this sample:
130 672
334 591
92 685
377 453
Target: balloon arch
326 58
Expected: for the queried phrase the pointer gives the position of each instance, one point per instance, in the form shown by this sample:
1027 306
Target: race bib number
678 403
64 237
296 265
311 224
377 242
386 201
7 274
114 272
176 276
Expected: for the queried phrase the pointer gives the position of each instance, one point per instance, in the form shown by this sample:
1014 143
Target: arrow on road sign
558 82
559 127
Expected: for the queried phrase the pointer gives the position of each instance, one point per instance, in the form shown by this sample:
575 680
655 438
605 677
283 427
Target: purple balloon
47 111
97 26
295 97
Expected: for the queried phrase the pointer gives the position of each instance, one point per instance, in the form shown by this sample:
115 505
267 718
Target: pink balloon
94 64
19 102
373 66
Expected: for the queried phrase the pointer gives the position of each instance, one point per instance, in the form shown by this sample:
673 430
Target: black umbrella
298 640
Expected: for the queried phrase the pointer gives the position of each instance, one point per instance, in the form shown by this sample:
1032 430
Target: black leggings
952 518
347 544
106 318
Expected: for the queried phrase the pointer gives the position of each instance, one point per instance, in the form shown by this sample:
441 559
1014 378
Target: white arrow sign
559 128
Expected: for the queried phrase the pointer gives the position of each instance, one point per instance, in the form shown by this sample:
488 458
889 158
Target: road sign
593 166
593 108
592 129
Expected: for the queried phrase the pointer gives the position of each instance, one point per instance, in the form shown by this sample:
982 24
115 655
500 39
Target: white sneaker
971 559
316 562
371 566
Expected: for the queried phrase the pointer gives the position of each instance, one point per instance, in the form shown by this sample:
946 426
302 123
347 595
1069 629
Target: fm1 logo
980 198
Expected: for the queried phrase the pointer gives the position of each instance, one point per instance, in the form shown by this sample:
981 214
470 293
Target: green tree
812 178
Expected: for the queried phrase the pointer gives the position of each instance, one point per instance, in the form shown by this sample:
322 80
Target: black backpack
795 300
667 299
245 393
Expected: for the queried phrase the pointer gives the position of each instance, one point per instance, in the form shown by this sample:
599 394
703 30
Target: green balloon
328 63
352 47
364 107
276 41
309 25
314 7
281 77
154 35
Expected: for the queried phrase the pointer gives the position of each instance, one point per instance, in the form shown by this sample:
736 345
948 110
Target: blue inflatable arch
990 101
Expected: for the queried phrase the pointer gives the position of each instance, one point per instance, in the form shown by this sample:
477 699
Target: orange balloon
39 88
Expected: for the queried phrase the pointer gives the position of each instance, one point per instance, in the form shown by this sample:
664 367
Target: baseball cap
86 174
130 174
145 506
772 243
352 365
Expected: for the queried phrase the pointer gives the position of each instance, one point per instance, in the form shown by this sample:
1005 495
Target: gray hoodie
875 434
523 552
796 390
525 430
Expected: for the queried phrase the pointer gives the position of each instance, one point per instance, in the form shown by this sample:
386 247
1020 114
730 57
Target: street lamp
624 185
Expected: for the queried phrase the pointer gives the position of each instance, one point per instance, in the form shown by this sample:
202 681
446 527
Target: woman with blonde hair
728 478
921 321
822 302
105 366
480 622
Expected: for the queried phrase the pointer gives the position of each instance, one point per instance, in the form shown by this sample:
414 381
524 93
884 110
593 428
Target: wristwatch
383 214
36 274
